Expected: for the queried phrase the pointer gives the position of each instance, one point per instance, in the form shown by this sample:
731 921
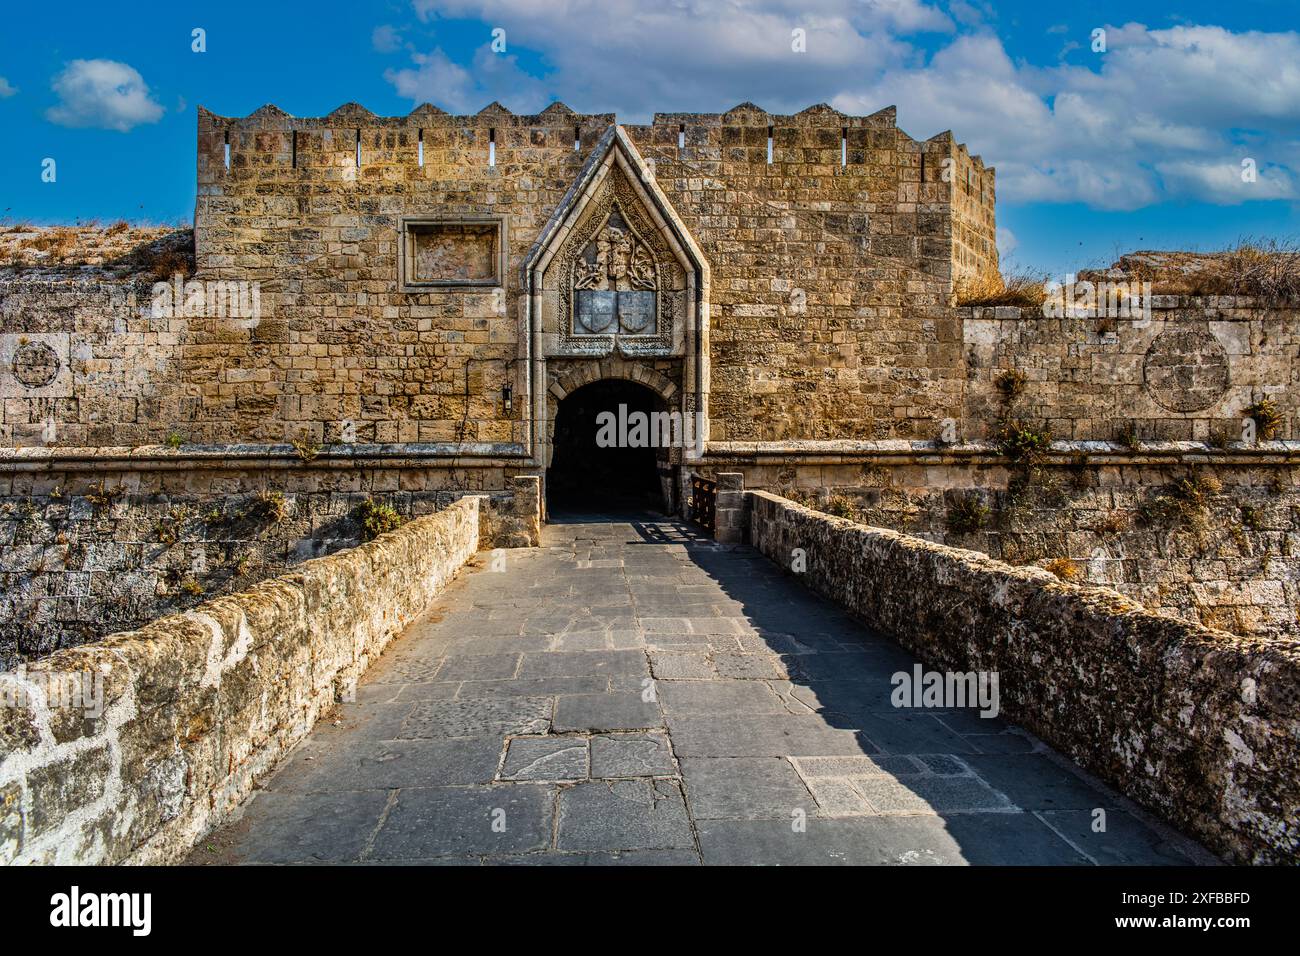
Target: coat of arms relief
614 283
619 277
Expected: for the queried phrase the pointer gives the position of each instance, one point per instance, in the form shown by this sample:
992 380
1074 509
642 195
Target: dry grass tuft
992 288
1063 568
56 243
1265 268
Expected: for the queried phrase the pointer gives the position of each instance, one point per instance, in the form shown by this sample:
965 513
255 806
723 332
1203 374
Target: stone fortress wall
1145 414
831 267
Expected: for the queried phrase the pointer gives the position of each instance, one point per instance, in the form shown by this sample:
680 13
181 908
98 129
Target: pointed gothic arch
615 287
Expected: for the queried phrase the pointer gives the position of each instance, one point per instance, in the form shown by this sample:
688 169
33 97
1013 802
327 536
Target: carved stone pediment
616 280
620 284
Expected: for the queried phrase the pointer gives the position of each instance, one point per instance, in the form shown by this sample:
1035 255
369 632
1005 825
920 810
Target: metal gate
704 501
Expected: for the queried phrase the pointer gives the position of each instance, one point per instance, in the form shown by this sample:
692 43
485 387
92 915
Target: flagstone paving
632 693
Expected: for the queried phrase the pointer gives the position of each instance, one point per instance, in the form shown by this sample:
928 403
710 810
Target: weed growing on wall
269 506
1022 444
1185 502
1267 418
306 449
378 518
967 514
170 526
841 506
101 497
1012 384
1252 518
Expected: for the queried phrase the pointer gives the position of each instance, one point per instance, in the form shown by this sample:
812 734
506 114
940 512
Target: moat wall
105 547
1196 724
1094 515
197 706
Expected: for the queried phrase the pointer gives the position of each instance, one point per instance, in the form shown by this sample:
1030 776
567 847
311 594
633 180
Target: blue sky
1137 146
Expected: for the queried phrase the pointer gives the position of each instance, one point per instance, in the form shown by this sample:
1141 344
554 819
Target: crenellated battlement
795 138
431 160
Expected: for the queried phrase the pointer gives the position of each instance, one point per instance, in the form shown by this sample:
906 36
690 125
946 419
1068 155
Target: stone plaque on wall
35 365
452 252
1186 369
619 278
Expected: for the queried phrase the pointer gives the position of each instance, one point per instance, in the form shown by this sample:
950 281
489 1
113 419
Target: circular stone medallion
1186 370
36 364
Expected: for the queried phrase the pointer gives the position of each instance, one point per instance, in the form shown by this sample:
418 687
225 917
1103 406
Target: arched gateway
616 294
603 456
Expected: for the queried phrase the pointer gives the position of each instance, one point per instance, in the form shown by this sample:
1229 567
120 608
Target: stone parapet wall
1198 725
197 706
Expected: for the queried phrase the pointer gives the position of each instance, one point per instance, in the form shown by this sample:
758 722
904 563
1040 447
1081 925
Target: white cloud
640 57
437 80
1164 114
6 90
386 39
1223 182
103 94
1161 116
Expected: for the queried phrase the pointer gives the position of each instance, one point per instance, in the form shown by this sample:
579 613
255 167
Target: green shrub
378 518
1021 444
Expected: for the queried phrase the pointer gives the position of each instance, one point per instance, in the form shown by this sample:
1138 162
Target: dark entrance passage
590 475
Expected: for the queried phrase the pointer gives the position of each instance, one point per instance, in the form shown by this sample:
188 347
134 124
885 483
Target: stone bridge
631 693
634 691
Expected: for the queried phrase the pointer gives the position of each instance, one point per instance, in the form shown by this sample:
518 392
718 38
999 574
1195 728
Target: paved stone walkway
631 693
